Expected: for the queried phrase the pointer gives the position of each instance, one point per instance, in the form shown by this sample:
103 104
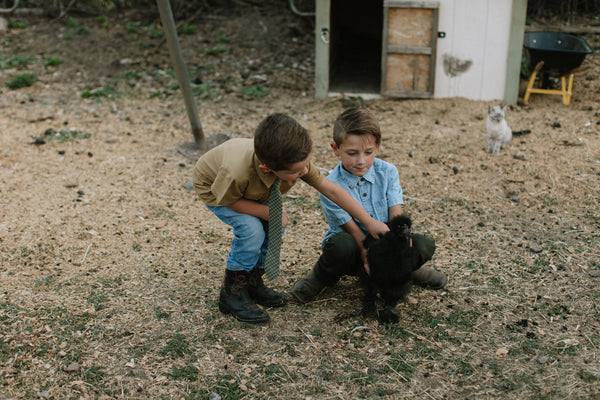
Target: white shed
420 49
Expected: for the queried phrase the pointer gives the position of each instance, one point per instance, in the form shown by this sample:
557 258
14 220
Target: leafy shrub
222 39
101 20
156 32
52 61
257 91
14 62
21 80
218 49
107 91
187 29
132 27
18 25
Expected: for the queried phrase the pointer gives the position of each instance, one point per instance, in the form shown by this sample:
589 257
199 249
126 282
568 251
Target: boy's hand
367 269
363 254
285 220
377 229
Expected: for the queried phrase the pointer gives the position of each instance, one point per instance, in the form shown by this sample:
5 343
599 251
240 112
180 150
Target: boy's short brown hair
356 121
280 141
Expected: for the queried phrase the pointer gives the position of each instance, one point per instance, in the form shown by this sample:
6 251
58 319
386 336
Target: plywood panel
408 72
410 26
409 48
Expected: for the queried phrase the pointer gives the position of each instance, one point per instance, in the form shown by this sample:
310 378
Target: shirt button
364 195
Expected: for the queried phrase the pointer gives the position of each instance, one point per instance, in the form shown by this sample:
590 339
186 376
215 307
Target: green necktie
272 260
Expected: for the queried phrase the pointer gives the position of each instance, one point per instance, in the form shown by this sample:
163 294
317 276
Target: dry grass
110 269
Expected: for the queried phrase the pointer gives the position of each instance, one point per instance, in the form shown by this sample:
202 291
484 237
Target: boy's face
356 153
293 172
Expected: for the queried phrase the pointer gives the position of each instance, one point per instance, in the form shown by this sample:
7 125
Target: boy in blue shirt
375 185
234 180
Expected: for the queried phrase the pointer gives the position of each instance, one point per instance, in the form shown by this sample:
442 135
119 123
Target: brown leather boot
307 288
429 278
234 299
263 295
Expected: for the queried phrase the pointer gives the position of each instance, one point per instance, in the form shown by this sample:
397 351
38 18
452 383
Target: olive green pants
341 256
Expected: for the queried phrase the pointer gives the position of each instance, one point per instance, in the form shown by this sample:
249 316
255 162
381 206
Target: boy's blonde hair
356 121
280 141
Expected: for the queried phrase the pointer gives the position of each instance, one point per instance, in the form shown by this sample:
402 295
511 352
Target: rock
189 185
543 359
536 248
594 273
73 367
214 396
503 351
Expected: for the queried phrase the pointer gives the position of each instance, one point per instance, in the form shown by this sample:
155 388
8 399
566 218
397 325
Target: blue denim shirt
376 191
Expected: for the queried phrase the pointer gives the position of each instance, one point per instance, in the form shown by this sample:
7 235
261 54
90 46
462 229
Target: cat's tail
521 133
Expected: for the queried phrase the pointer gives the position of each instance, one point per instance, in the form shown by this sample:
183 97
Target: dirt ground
110 269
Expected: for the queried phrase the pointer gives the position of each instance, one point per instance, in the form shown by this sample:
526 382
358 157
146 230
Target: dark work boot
307 288
429 278
234 299
263 295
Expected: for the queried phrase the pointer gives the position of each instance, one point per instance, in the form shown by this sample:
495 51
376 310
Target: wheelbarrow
555 53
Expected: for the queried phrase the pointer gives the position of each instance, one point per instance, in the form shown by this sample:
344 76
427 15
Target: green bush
52 61
218 49
18 25
132 27
14 61
21 80
107 91
187 29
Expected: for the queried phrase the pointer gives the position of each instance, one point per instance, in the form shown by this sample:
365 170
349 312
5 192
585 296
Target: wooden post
515 51
322 48
166 16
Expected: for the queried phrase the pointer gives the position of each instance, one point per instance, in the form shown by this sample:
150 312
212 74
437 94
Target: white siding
477 31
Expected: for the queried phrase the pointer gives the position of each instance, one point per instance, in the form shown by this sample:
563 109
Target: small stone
214 396
73 367
594 273
112 140
189 185
502 351
536 248
515 198
543 359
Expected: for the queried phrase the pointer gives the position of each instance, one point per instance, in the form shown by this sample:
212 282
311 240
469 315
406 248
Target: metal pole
166 16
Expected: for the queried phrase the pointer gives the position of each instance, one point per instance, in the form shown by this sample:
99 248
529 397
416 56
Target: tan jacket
230 172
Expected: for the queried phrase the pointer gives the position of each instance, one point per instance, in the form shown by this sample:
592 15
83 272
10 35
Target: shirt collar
353 180
266 178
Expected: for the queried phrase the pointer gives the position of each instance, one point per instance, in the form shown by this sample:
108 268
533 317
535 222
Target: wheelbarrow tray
559 51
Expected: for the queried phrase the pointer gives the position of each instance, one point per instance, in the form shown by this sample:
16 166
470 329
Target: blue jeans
250 239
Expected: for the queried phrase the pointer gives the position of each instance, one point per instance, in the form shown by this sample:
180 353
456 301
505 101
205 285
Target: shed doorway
356 28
